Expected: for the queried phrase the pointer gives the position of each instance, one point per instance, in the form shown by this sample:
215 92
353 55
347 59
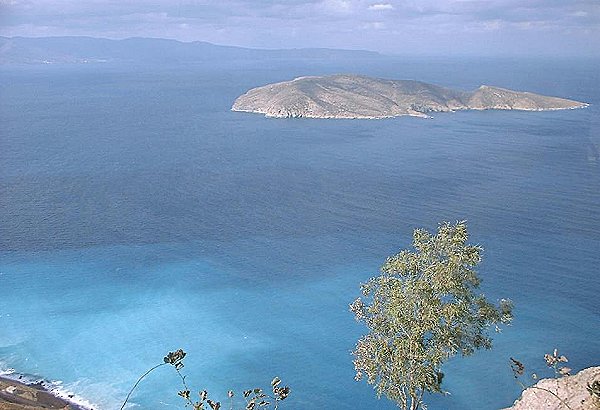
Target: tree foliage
423 309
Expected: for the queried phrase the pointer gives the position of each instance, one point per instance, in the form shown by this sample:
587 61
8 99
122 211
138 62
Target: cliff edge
571 389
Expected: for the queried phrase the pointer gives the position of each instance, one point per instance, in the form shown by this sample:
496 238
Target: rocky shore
572 391
15 395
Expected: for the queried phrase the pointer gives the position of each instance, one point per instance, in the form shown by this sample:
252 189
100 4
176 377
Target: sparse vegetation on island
357 96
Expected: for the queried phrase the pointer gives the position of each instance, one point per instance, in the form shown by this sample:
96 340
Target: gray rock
571 389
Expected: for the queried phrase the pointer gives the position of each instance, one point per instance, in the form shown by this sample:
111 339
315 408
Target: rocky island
354 96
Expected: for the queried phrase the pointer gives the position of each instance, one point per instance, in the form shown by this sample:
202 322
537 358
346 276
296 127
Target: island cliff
353 96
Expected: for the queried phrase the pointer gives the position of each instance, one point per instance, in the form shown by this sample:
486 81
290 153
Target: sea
140 215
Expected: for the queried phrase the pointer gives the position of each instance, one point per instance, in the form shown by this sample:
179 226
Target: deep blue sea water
139 215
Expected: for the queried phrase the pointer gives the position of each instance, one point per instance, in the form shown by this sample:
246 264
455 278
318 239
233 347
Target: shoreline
390 116
20 395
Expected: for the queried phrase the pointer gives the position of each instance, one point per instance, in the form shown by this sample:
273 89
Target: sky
432 27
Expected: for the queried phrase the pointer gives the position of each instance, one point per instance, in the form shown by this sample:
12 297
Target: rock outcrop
571 389
352 96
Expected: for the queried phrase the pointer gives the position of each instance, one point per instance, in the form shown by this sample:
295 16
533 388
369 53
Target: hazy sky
562 27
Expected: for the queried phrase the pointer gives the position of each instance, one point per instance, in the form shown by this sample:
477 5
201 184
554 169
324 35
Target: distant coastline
90 51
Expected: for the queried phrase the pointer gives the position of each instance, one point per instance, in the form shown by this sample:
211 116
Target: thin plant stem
138 382
185 386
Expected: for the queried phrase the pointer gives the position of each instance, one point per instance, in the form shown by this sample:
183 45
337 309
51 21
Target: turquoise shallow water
140 215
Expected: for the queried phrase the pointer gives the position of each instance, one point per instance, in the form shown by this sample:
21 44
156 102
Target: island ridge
354 96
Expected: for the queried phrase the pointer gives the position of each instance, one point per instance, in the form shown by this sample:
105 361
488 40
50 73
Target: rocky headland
354 96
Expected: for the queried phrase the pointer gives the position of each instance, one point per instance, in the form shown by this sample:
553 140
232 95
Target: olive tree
423 309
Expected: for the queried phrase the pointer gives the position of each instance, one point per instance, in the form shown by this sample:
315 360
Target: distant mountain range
353 96
50 50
